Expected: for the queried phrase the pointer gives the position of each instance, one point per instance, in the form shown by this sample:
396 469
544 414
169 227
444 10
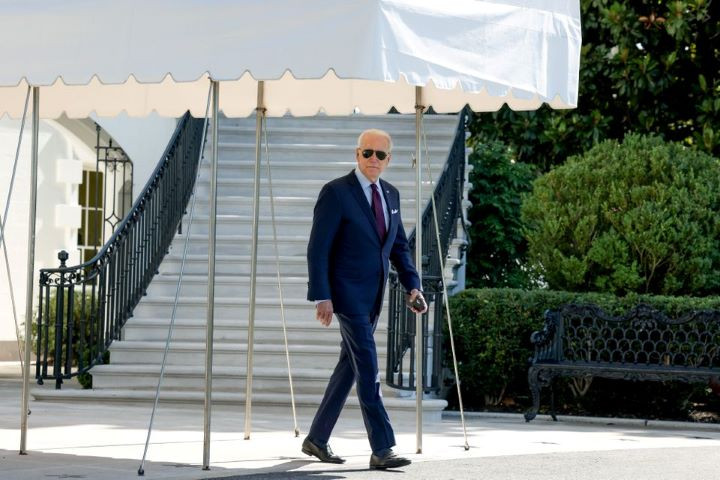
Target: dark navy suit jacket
347 262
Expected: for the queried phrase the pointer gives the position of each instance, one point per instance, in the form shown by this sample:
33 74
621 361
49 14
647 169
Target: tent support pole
211 276
419 373
259 113
3 222
30 270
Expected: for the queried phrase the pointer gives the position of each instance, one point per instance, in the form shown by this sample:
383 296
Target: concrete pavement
106 442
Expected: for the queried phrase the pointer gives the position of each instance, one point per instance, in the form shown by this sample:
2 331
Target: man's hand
414 293
324 312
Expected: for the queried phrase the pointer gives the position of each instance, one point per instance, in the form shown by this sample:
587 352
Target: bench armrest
547 340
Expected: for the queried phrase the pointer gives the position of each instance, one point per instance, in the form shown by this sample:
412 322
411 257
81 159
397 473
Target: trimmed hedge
492 338
637 216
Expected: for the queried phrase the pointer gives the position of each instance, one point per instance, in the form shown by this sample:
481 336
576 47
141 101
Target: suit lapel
360 197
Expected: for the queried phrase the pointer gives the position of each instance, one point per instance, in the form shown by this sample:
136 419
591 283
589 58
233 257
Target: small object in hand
419 303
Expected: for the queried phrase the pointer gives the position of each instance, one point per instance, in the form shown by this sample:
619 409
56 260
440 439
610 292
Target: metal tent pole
211 275
419 374
260 113
168 338
3 222
30 269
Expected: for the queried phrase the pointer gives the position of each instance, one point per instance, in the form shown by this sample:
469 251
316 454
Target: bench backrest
643 335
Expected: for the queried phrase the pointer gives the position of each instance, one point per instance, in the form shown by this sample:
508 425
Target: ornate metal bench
643 344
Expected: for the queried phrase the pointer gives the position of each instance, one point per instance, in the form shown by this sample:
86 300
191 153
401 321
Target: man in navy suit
356 232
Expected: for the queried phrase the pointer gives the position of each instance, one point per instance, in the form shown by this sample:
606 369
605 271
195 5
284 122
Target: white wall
143 139
58 215
66 146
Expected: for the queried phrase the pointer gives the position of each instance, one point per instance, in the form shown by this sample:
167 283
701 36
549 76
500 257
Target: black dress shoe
324 454
387 459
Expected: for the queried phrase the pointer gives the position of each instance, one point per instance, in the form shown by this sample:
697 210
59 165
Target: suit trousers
357 364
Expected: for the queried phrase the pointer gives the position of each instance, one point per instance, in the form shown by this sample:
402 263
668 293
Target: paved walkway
106 442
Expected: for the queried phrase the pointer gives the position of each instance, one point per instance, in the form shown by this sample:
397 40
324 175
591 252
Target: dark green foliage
85 379
640 216
492 337
82 319
668 87
498 248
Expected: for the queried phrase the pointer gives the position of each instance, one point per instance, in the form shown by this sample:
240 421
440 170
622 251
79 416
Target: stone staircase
305 153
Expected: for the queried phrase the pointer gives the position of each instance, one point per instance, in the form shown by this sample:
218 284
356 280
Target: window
91 198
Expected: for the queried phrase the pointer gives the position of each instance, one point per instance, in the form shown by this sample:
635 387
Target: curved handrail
82 308
448 195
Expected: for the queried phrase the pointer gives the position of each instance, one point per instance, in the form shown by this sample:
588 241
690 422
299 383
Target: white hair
376 131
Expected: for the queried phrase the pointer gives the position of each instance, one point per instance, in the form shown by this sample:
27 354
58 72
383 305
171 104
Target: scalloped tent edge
319 56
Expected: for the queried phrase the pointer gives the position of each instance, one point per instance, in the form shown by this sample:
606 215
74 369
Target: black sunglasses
368 152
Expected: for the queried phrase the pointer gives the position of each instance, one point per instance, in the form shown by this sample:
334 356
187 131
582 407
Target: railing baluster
118 276
401 322
70 328
44 354
114 267
102 311
59 309
82 332
40 335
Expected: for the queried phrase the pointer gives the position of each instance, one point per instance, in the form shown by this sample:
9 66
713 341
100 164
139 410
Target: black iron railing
448 196
83 308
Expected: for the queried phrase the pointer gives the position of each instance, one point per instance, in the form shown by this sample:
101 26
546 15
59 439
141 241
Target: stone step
274 322
323 160
402 134
225 307
231 308
305 332
227 354
242 244
289 187
231 285
432 408
284 205
356 122
291 265
285 226
225 379
324 170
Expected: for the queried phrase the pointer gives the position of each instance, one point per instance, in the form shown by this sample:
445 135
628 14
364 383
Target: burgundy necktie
378 210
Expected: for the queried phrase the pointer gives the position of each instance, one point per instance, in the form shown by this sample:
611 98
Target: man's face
372 167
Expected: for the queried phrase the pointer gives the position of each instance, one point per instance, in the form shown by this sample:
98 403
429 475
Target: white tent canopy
136 56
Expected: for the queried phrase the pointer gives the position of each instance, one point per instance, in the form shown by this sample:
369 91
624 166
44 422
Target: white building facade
67 162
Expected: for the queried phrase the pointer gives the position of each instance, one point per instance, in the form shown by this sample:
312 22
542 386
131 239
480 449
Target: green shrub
641 216
492 337
498 248
80 317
